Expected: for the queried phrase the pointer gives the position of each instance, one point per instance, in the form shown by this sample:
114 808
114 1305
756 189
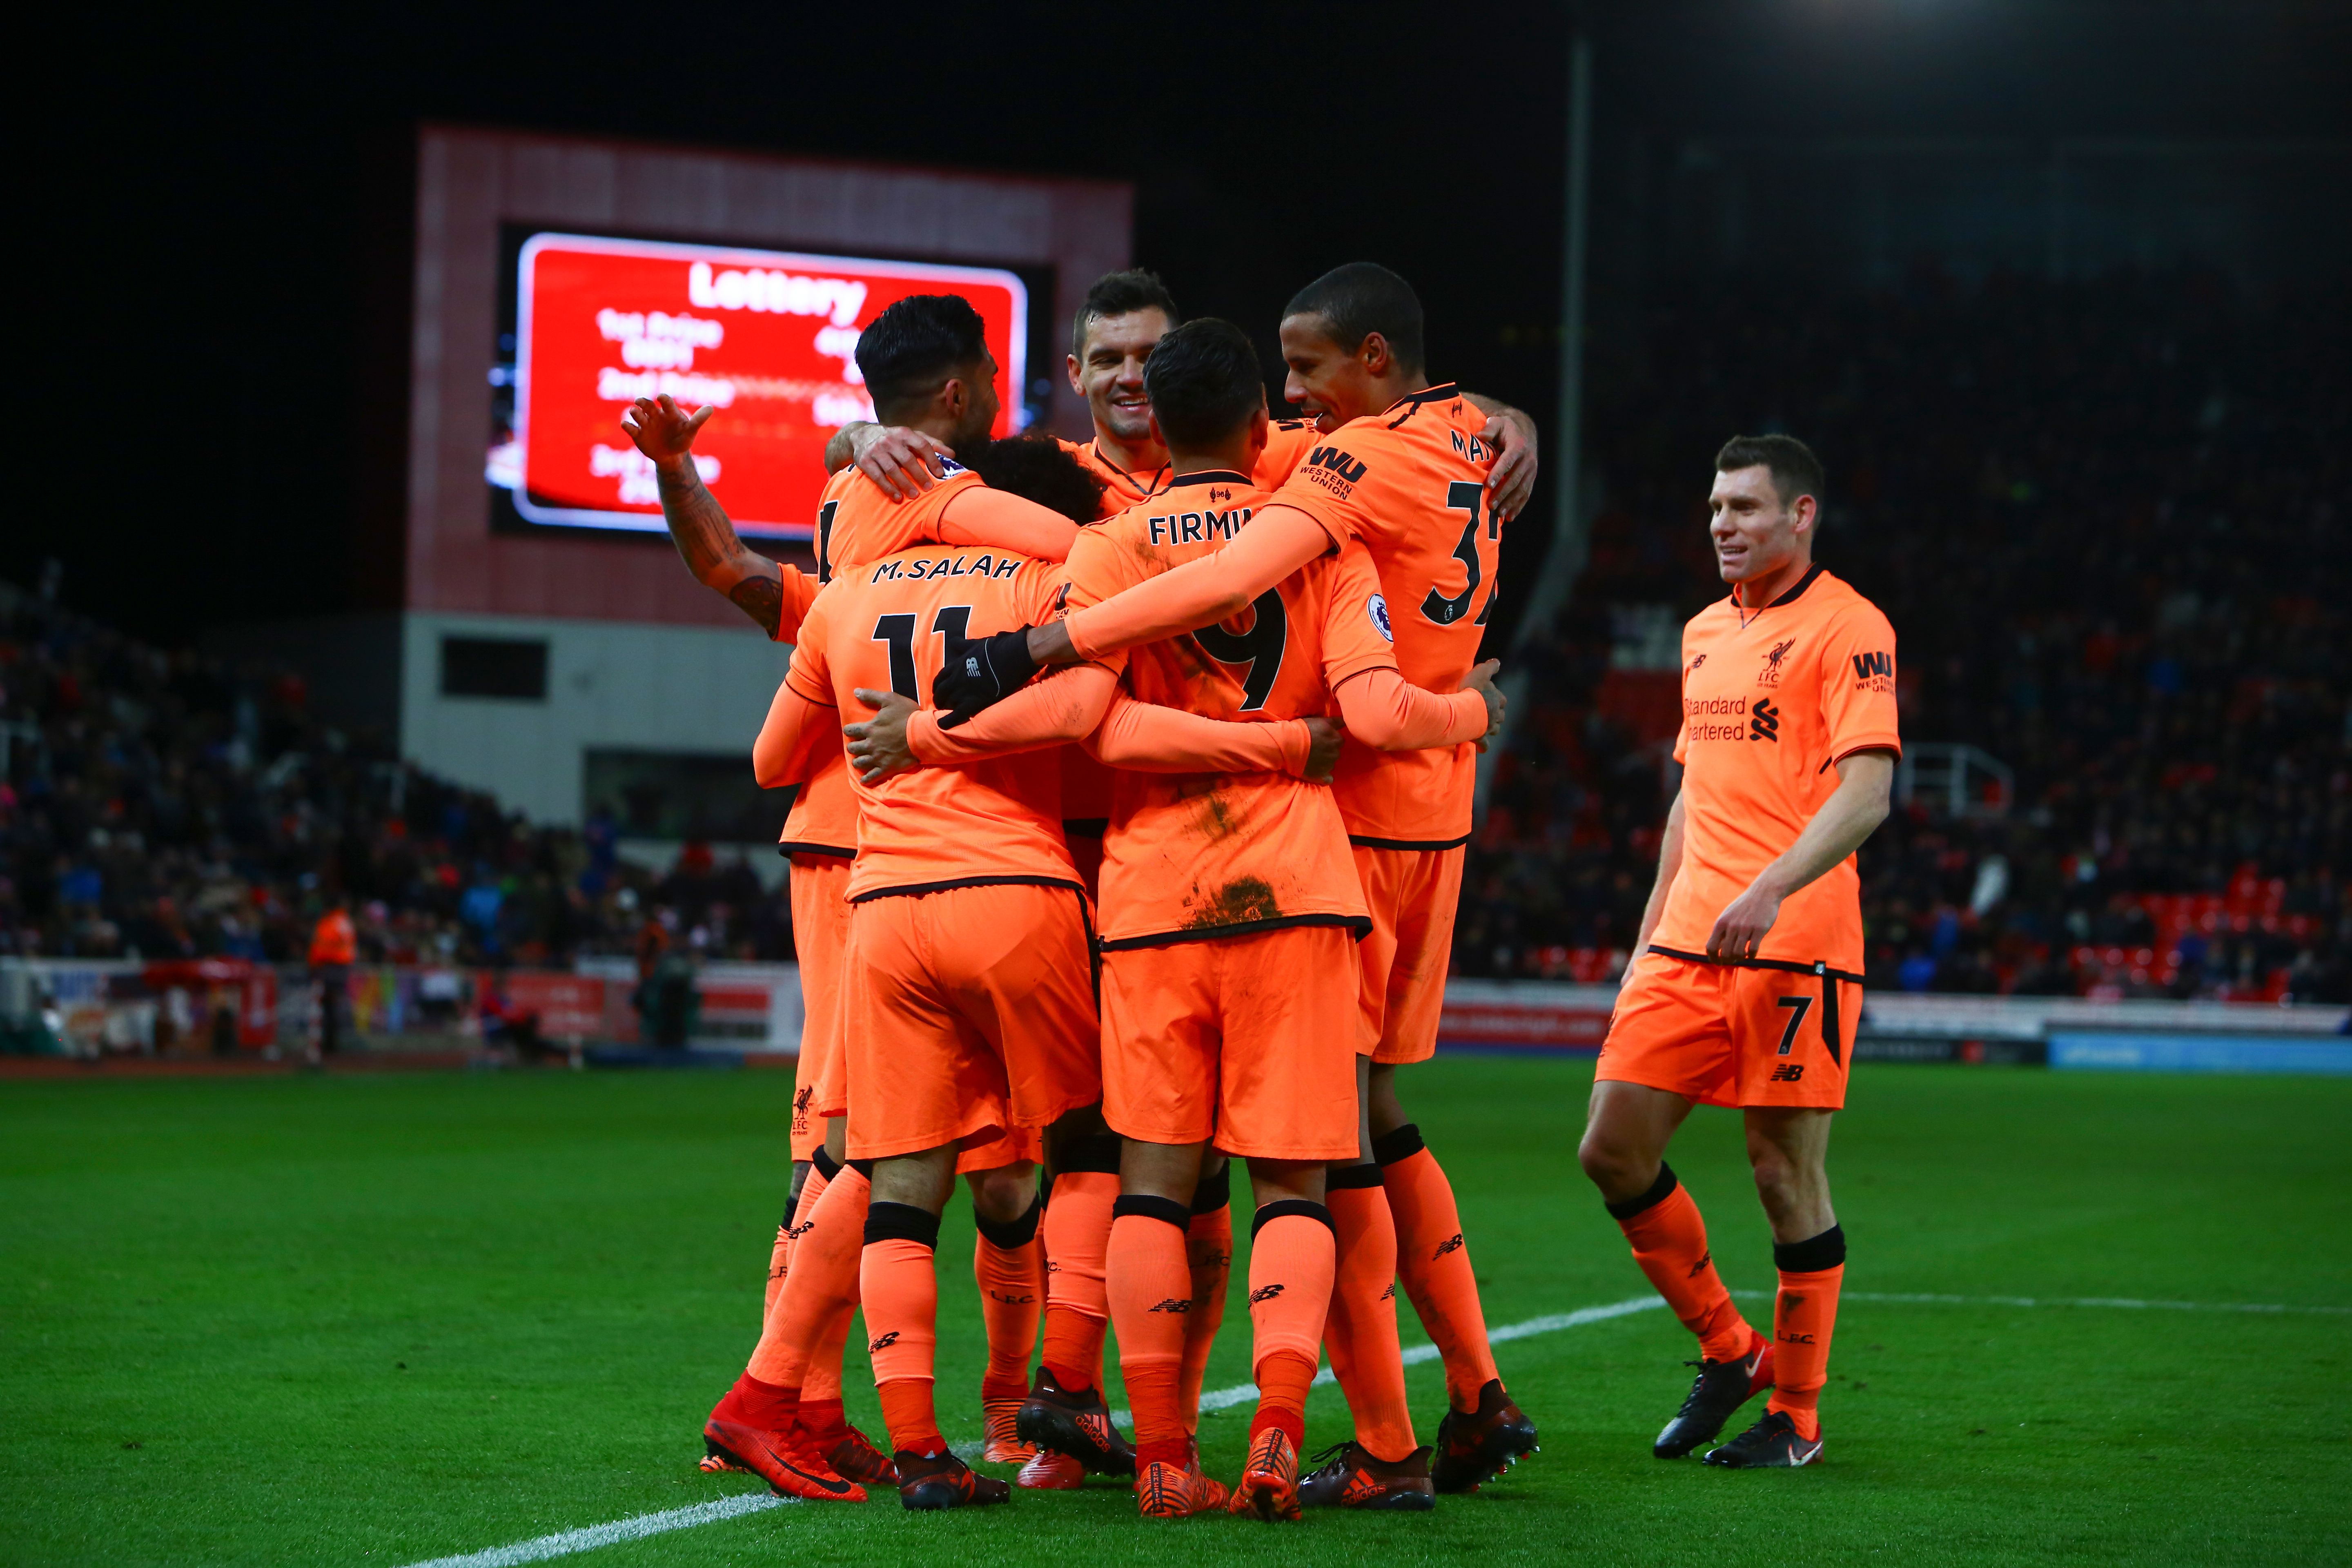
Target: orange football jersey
1288 442
856 523
1121 488
1410 483
1772 699
885 625
824 815
1210 855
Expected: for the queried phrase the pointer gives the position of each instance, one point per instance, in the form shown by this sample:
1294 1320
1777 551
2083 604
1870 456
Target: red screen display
769 336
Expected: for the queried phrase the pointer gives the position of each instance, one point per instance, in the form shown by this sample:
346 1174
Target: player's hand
976 675
1512 480
1323 738
878 748
1740 930
662 430
904 462
1481 680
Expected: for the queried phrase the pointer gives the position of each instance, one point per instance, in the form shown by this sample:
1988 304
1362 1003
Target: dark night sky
202 318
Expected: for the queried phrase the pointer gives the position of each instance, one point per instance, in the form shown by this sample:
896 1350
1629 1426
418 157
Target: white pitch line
589 1538
1244 1393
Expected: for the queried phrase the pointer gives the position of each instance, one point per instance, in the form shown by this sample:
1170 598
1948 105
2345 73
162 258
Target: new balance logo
1264 1293
1389 1294
1173 1305
1788 1072
884 1344
1764 721
1705 1261
1450 1244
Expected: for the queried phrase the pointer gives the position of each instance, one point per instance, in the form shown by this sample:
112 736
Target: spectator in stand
334 948
2107 516
160 804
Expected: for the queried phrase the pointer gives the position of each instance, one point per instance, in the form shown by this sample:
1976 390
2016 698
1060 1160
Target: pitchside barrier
234 1008
220 1007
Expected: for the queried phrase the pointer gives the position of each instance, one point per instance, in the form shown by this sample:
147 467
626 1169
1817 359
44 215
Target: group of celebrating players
1133 783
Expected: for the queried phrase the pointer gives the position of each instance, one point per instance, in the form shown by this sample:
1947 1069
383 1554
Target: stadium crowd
2105 520
168 804
2130 482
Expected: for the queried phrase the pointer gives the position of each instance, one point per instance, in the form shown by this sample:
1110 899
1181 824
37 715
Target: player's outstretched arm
1512 434
774 596
904 462
1383 709
1145 737
1850 816
988 518
899 737
791 739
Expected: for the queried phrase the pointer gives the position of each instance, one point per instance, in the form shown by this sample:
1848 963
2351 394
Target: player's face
1326 381
1755 534
982 403
1109 375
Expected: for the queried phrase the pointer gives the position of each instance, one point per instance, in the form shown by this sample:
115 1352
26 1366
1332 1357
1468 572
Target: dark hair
1035 467
1795 471
1203 381
1118 294
916 344
1361 298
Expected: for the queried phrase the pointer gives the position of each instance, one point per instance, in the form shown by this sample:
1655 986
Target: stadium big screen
769 337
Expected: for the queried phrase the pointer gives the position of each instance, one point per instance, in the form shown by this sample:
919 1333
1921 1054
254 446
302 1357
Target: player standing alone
1747 985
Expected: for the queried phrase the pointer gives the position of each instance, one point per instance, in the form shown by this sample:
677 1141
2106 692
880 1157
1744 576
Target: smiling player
1747 989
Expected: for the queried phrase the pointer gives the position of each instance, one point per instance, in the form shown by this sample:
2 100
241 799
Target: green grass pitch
374 1319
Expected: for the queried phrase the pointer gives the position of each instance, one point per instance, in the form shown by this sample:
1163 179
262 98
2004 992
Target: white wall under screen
601 686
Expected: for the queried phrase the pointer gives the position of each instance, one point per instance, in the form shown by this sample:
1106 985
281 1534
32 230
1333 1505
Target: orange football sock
1360 1331
1151 1302
1434 1264
1008 1262
1077 1300
822 1380
1670 1244
780 1260
900 1283
912 1425
824 1276
1804 1315
1291 1260
1209 1253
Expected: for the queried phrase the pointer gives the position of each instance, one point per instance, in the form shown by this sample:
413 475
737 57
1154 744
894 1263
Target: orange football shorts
820 884
966 1012
1733 1034
1412 894
1248 1040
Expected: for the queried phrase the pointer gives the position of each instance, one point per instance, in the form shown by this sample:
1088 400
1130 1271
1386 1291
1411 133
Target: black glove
976 675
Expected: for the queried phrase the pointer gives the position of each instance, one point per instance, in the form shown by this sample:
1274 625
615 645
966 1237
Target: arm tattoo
763 599
698 524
